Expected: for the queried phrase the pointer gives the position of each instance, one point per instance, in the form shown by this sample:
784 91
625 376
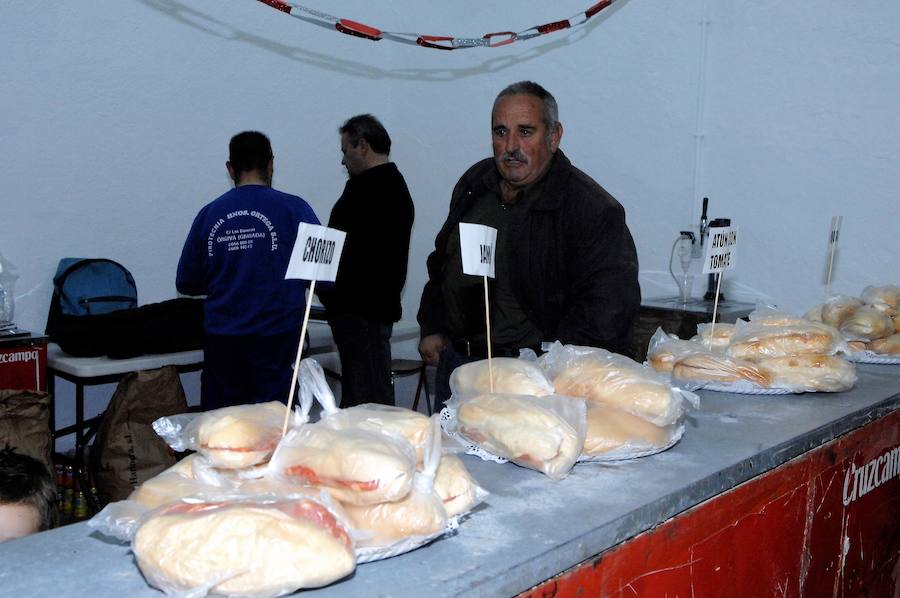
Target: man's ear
555 137
230 171
364 147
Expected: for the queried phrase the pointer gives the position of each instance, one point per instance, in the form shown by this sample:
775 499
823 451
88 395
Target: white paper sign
478 245
316 253
720 249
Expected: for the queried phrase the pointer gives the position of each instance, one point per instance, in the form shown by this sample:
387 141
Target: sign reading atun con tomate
720 249
316 253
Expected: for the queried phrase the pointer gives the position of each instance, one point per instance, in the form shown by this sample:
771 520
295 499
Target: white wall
116 117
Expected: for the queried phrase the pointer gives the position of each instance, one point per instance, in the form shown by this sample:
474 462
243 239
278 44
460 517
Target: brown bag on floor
127 451
25 423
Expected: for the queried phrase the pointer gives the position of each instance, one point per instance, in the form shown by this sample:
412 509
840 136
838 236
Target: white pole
287 414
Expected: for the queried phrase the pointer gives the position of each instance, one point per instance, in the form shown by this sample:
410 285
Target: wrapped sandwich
232 437
752 341
611 431
886 346
714 337
357 467
420 515
542 433
510 376
598 375
809 373
867 324
664 350
883 298
457 489
696 370
411 425
243 548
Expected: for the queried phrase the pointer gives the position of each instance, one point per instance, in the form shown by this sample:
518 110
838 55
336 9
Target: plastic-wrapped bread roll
383 418
721 335
838 308
420 514
456 487
886 346
356 466
243 548
810 373
598 375
707 367
173 484
511 376
883 298
752 342
664 350
896 320
541 433
609 429
867 323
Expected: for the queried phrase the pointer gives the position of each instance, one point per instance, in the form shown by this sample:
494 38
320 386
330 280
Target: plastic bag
664 350
406 423
721 335
700 369
356 466
867 323
253 548
405 524
458 490
541 433
231 437
771 315
809 373
598 375
510 376
752 341
8 277
614 434
883 298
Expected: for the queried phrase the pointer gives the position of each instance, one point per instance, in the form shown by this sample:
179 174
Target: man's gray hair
530 88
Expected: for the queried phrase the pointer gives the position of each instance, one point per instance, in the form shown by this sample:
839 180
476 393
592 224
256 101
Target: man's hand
430 347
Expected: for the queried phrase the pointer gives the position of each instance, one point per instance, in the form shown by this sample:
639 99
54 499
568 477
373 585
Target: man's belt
478 349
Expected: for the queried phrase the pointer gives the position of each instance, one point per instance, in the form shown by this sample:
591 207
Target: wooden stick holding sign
478 247
316 255
832 248
720 256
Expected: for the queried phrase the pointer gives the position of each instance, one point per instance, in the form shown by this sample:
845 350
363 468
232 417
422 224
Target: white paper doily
870 357
448 425
744 389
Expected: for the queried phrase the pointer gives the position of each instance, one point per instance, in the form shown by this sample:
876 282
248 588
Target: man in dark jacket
566 265
376 211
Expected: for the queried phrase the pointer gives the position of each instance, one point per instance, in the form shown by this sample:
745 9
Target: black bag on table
94 312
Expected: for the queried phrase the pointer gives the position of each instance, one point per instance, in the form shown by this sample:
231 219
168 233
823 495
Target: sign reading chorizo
316 253
478 247
720 249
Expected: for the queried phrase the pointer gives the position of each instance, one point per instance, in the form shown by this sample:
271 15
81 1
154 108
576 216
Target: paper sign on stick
478 245
720 249
316 253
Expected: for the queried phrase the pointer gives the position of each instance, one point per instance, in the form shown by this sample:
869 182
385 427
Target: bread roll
883 298
240 436
708 367
753 342
896 320
243 549
356 466
867 323
524 430
857 346
886 346
171 485
419 514
406 423
810 373
455 486
839 308
621 383
511 376
721 335
609 428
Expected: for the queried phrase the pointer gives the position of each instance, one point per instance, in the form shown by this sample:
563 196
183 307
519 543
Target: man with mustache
566 266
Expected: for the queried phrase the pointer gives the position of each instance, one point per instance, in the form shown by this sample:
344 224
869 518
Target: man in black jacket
566 265
376 211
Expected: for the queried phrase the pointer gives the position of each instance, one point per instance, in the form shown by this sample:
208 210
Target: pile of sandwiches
869 323
572 404
772 352
256 513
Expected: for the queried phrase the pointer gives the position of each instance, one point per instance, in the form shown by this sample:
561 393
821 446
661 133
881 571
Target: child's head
27 496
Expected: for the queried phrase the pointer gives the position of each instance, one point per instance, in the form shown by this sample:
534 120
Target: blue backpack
90 287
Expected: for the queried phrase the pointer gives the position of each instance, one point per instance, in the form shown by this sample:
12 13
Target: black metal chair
410 367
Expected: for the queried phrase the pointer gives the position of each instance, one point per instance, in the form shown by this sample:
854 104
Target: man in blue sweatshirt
236 254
